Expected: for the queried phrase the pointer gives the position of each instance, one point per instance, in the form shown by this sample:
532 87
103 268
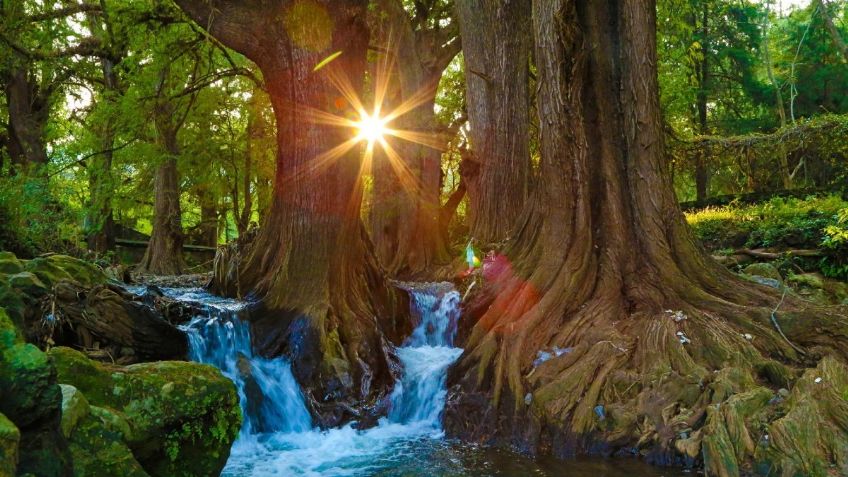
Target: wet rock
10 440
183 416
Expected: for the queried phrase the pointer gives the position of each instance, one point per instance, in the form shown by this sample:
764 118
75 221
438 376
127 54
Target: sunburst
371 126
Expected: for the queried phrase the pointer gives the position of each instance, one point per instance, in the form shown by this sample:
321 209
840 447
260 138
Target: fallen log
106 317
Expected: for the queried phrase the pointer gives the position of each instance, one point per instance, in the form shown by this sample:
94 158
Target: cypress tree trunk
404 214
496 42
646 334
29 109
323 300
164 254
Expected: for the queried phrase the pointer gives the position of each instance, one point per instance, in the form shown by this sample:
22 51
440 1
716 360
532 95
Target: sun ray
431 140
408 180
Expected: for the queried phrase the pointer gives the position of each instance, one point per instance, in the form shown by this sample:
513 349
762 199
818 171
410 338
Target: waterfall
277 437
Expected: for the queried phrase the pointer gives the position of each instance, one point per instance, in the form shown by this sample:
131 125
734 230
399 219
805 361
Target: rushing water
277 438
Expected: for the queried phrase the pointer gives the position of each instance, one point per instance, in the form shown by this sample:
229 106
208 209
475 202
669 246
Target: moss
183 416
9 264
10 439
74 408
98 448
766 270
28 384
53 268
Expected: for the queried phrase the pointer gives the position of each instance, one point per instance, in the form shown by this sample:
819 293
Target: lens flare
371 128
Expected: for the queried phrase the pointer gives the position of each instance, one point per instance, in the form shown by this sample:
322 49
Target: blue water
277 438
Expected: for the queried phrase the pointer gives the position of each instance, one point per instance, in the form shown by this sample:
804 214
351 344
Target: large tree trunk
164 255
404 214
29 109
323 300
645 332
496 41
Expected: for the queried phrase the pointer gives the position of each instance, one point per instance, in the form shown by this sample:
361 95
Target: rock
31 399
28 284
54 268
98 448
74 408
765 270
10 439
9 264
769 282
816 288
184 416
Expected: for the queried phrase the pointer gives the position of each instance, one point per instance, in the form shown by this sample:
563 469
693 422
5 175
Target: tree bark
323 300
642 328
835 36
496 41
29 109
404 214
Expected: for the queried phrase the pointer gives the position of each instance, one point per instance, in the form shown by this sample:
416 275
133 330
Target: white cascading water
277 438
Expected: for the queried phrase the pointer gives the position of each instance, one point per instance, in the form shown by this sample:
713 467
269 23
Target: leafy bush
33 221
779 222
835 241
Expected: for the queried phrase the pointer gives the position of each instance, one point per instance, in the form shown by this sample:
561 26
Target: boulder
818 289
74 408
183 416
31 399
765 270
9 264
98 447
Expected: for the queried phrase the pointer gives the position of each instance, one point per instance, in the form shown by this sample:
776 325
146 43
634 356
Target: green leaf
326 61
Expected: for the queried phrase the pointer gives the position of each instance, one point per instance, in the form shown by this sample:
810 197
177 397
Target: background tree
420 41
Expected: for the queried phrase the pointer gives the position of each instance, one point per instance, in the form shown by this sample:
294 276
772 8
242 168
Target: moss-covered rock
53 268
183 417
765 270
10 439
9 264
98 448
74 408
31 399
818 289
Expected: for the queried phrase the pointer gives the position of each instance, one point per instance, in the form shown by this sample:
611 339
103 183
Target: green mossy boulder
818 289
31 399
74 408
98 448
54 268
9 264
10 440
765 270
183 417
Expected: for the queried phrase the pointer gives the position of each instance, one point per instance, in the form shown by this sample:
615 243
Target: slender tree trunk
208 219
496 40
835 36
324 302
101 185
164 255
647 336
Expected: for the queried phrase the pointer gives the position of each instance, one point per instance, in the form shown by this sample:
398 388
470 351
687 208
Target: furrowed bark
645 333
323 299
496 43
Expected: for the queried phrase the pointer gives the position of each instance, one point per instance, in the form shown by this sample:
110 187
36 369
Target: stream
277 438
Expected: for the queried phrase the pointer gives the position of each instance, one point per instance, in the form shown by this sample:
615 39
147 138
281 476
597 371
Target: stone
765 270
10 439
28 284
98 448
74 408
9 264
183 416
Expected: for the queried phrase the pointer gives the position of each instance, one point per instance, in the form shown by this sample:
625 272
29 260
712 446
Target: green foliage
779 222
36 216
835 241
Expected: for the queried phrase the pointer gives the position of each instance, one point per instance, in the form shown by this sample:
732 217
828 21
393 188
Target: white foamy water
277 438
